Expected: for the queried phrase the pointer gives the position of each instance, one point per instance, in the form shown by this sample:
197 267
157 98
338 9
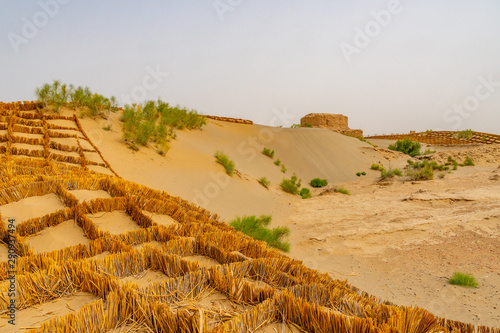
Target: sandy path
402 242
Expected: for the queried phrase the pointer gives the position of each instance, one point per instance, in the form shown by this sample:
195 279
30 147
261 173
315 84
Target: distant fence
231 120
443 138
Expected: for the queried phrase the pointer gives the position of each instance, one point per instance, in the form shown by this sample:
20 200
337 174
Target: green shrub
307 125
468 161
343 190
376 167
264 182
156 122
268 152
317 182
225 161
277 162
107 128
283 168
359 174
427 152
407 146
295 126
305 193
291 185
56 95
256 228
425 173
423 164
463 279
466 134
363 173
385 174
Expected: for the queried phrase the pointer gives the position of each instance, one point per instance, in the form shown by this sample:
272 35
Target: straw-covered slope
169 267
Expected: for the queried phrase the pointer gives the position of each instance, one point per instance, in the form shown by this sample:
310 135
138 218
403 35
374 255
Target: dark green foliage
307 125
291 185
277 162
305 193
268 152
156 122
256 228
359 174
463 279
225 161
264 182
317 182
407 146
468 161
425 163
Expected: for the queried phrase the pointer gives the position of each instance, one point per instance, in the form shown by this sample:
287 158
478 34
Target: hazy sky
390 66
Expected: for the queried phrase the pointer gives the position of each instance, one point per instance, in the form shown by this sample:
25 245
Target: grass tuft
277 162
463 279
225 161
264 182
268 152
256 227
343 191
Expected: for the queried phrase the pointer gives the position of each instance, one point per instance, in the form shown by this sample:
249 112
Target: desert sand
397 240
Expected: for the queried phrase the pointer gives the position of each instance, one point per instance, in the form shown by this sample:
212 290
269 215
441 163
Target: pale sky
390 66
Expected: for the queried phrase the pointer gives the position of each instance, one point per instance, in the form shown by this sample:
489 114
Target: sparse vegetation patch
256 227
317 182
291 185
222 158
407 146
264 182
463 279
268 152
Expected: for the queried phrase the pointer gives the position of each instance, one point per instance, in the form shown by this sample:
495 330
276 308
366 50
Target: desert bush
465 134
295 126
376 167
277 162
407 146
222 158
463 279
283 168
359 174
427 152
305 193
342 190
268 152
468 161
56 95
317 182
156 122
291 185
425 173
264 182
257 229
434 165
306 124
390 173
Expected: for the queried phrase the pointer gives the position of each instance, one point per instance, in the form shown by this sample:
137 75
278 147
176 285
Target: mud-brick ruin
334 122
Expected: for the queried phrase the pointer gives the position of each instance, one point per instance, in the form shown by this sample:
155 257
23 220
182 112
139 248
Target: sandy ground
399 241
34 316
